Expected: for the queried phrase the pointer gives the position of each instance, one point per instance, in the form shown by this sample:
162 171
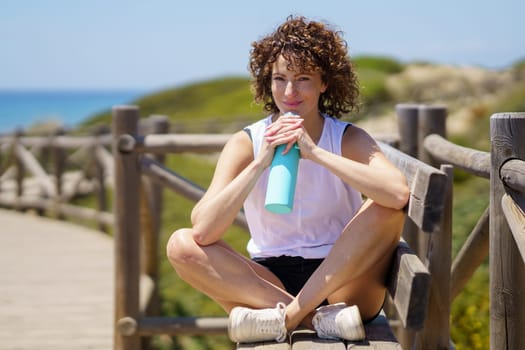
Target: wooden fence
138 175
46 173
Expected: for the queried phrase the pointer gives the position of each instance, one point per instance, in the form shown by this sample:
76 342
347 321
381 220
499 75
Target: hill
471 95
223 102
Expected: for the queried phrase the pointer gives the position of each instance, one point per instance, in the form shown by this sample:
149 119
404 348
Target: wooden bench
408 282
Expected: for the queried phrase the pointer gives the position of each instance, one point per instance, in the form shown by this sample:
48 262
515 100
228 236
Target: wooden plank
56 285
472 161
436 330
68 142
160 174
408 285
472 253
516 220
304 339
264 346
379 336
147 326
36 169
175 143
52 207
427 185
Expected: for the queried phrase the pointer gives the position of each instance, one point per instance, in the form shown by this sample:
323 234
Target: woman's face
295 91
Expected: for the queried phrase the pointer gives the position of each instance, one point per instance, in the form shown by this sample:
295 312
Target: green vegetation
179 298
382 64
220 105
216 105
200 106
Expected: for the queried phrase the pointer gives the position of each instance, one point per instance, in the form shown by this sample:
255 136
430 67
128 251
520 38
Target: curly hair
310 47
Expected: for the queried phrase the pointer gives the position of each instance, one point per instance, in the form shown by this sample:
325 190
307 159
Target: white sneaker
338 321
250 325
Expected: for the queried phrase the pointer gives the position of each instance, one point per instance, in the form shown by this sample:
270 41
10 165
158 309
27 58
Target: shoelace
327 326
268 325
324 320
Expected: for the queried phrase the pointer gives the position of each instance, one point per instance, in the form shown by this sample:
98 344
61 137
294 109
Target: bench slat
307 340
408 284
264 346
427 185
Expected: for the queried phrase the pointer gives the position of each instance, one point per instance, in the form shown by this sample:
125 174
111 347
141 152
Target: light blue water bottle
282 179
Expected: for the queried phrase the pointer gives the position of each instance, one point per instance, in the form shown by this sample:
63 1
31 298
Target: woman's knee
387 219
181 248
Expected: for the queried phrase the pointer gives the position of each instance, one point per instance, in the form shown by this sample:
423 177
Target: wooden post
436 332
20 170
407 124
151 211
431 120
127 235
100 174
159 125
407 121
59 161
507 270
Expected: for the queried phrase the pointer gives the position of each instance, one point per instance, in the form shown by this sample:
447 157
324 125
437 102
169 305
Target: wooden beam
472 253
427 185
470 160
436 331
516 220
158 173
408 285
147 326
36 169
174 143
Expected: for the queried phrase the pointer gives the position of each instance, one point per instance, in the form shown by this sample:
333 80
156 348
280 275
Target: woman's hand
288 129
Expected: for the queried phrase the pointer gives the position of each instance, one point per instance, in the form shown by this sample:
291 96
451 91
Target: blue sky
149 45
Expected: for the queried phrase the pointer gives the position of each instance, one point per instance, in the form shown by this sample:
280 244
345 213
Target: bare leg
224 274
354 270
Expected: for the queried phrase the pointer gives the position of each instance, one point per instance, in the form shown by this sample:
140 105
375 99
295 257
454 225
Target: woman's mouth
292 104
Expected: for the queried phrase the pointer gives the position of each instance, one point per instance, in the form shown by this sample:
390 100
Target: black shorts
293 271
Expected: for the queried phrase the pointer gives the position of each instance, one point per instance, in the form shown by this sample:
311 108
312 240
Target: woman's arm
363 166
235 175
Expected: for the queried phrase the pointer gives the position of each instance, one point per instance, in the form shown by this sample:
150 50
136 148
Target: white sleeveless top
323 204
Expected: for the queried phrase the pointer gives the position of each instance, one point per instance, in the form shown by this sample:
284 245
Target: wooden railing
500 231
138 174
47 173
423 130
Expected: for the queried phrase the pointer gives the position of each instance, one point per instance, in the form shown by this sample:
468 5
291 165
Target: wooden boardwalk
56 285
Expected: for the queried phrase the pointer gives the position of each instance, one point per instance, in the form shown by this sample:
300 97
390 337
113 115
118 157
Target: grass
469 311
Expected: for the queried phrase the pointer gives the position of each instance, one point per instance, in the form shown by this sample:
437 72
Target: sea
21 109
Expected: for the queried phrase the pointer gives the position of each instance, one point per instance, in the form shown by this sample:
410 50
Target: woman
322 265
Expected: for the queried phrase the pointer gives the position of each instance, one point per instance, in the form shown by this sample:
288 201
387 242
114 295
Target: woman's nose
289 90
